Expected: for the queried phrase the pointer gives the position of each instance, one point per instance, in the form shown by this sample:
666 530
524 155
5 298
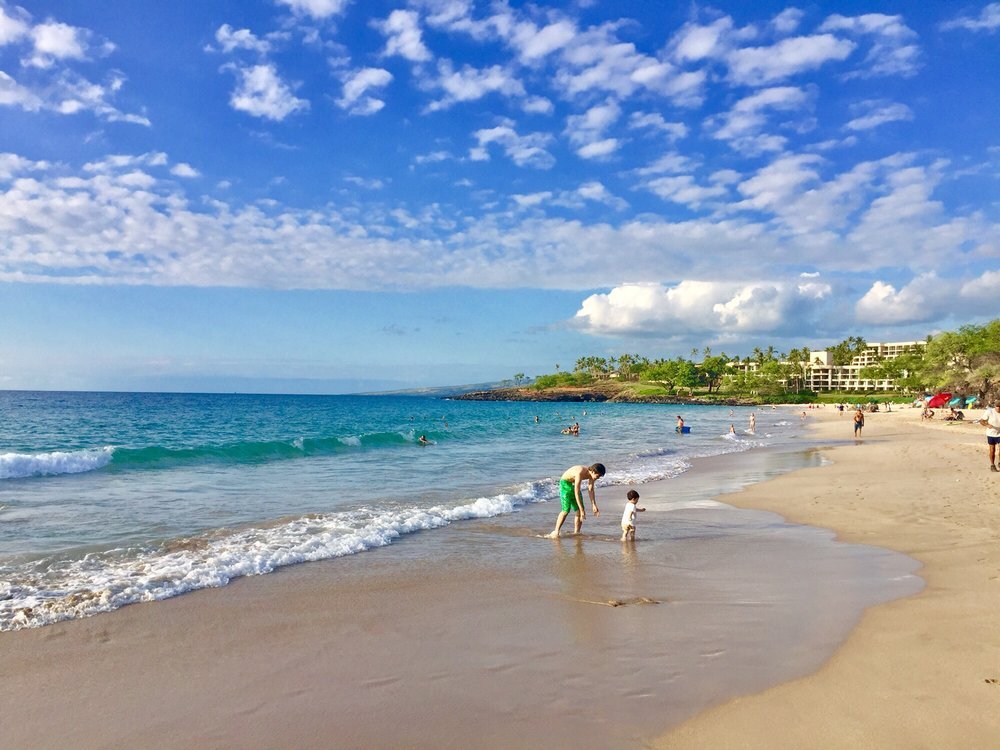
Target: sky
329 196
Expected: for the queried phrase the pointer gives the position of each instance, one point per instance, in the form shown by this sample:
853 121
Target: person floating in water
571 496
423 440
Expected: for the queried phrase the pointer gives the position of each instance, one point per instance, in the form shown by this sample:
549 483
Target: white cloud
598 61
12 164
587 131
741 126
683 190
597 192
694 42
532 199
917 302
366 183
13 27
182 169
787 20
537 105
670 163
318 9
761 65
525 151
654 121
469 84
700 306
982 291
12 94
231 40
533 43
893 49
878 113
354 98
403 36
53 41
775 185
262 93
988 20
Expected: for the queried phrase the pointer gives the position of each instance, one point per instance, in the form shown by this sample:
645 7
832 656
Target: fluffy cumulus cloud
762 65
404 36
356 98
928 297
467 84
48 81
14 24
231 39
261 92
701 306
524 150
587 131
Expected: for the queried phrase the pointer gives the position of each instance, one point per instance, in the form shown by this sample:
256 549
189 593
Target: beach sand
920 672
500 640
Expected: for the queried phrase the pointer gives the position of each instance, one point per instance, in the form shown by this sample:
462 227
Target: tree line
966 361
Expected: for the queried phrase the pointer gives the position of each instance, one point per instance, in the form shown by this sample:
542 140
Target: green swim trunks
567 493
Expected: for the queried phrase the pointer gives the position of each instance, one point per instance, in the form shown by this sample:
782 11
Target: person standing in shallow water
571 495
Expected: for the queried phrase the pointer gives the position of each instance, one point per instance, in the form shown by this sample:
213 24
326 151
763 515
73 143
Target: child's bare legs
578 523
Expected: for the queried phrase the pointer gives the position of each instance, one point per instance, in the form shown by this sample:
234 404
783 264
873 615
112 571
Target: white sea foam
104 582
19 465
352 440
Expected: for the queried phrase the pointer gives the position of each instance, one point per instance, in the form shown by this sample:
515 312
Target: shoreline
261 662
922 671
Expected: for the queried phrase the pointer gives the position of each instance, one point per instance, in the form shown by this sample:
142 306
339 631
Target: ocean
108 499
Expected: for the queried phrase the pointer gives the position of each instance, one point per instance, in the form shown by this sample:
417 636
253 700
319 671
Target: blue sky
335 195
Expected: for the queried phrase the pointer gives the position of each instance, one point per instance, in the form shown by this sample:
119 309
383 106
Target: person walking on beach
571 496
859 422
628 517
991 421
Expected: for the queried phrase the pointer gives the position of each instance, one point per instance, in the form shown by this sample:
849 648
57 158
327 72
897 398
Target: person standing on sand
859 422
991 421
571 496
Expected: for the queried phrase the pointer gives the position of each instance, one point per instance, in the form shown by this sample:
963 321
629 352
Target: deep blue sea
112 498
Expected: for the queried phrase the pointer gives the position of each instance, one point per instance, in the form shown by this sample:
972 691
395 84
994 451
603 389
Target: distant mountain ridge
442 391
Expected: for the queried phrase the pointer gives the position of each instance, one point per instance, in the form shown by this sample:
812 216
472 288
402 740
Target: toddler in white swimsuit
628 517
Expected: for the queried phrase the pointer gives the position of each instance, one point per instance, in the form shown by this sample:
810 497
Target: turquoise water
108 498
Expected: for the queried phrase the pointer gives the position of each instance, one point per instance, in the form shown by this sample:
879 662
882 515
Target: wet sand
483 635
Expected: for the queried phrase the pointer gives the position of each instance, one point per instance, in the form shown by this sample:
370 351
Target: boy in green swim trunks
572 497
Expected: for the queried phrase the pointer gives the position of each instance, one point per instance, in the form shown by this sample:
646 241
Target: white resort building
821 374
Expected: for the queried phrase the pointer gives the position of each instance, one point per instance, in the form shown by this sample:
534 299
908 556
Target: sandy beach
505 641
920 672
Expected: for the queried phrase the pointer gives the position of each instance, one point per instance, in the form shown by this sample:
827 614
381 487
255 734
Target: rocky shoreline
593 394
